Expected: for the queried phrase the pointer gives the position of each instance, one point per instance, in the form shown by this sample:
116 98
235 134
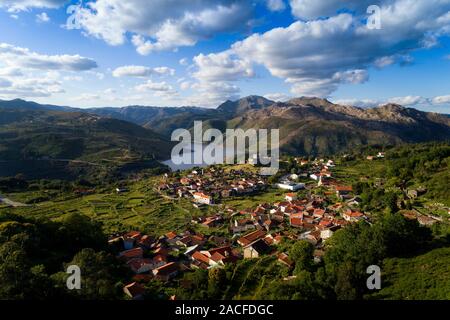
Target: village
302 214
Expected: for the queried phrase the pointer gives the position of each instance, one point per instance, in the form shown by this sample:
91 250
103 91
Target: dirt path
12 203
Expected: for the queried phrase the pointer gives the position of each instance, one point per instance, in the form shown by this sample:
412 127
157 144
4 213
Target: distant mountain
317 126
308 125
30 105
37 137
163 120
234 108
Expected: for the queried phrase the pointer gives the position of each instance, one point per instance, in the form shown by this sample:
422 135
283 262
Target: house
251 237
185 181
343 191
412 193
425 220
146 242
212 221
214 257
200 197
130 238
354 202
140 265
166 272
200 258
256 249
284 259
353 216
121 190
296 220
242 225
221 256
330 163
292 186
380 155
134 290
318 213
370 158
328 233
131 254
291 197
171 235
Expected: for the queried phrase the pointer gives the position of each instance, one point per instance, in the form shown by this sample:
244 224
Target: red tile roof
171 235
200 257
166 269
132 253
251 237
344 188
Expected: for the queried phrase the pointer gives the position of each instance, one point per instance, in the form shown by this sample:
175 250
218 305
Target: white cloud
141 71
210 94
5 83
23 57
277 97
110 91
24 5
14 16
30 87
276 5
222 66
441 99
87 97
11 72
73 78
362 103
161 24
42 17
164 71
316 56
184 62
313 9
31 74
185 85
154 86
215 74
408 100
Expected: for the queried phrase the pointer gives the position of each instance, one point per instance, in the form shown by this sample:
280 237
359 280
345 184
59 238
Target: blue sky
199 52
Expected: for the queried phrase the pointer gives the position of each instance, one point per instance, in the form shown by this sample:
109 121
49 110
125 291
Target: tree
302 254
216 282
100 273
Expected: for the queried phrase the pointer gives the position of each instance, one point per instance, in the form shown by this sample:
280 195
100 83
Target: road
12 203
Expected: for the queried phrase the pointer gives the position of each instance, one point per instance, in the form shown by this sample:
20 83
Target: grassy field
141 208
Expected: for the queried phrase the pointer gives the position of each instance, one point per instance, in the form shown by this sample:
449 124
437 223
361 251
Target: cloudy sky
202 52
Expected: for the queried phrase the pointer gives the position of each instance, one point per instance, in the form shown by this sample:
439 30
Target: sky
202 52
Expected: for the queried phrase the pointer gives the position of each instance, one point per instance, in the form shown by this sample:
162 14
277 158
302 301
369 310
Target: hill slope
316 126
424 277
308 125
36 138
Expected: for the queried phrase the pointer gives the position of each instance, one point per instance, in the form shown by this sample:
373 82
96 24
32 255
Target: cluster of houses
252 232
206 186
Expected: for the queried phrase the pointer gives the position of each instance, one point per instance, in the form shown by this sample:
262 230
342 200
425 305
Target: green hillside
425 277
35 142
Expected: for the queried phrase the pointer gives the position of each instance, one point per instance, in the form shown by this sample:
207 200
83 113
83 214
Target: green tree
302 254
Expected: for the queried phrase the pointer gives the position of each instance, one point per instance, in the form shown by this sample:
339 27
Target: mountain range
308 125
